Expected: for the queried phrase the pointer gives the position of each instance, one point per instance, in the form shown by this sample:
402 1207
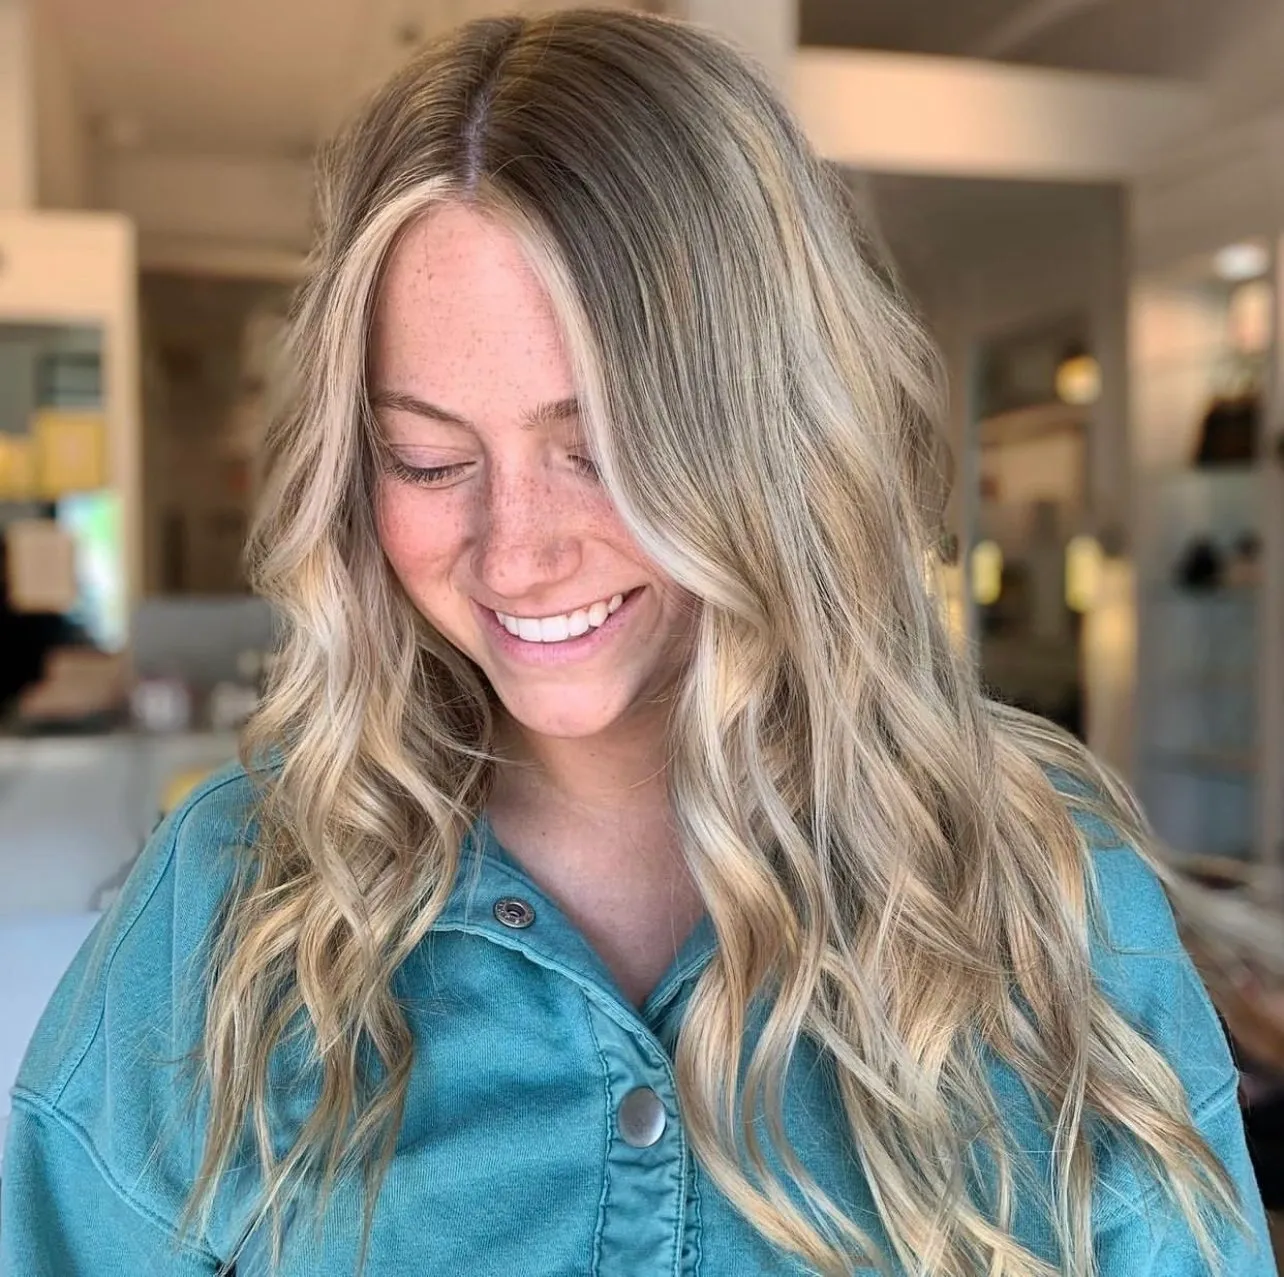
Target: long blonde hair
880 849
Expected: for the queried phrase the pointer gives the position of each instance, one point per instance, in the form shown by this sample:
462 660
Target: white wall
1176 337
17 108
44 157
62 149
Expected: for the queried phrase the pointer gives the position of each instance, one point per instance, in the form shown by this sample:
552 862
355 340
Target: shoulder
1129 910
102 1106
1141 965
139 971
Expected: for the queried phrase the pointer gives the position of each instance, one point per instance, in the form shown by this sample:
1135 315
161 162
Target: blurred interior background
1084 197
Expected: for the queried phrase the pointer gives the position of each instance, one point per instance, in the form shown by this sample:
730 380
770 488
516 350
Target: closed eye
424 476
433 476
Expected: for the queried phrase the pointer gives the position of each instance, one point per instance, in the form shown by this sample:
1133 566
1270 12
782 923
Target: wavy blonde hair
879 848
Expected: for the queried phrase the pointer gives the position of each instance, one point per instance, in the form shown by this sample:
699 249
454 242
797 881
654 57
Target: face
490 511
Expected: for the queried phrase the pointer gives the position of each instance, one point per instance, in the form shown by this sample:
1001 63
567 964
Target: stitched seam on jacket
38 1104
1226 1093
608 1003
604 1198
697 1221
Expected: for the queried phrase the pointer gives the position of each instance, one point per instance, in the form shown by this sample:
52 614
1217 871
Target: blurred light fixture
1084 557
1246 260
1078 378
987 573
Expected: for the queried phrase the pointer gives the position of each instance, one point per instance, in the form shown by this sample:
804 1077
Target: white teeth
556 629
553 629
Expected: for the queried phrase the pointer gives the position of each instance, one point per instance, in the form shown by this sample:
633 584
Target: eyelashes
424 476
440 476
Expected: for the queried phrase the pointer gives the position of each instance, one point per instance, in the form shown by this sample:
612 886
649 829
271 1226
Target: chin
567 715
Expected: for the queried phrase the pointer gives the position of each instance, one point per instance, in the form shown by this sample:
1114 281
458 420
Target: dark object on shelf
1228 436
1244 567
1200 568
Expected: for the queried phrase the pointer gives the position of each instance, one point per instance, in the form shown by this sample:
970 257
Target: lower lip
565 652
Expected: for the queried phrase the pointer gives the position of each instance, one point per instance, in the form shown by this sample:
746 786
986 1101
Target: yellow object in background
1083 572
70 451
987 572
180 785
17 468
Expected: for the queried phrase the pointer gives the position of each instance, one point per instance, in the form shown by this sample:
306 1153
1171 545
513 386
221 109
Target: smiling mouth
563 626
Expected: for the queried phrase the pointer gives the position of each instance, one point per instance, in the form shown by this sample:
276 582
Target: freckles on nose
528 518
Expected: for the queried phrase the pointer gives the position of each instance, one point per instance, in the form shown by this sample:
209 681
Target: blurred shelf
1036 421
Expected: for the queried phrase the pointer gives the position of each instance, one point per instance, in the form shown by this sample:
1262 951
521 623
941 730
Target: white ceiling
241 77
270 77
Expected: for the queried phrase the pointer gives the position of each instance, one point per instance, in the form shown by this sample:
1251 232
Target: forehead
460 312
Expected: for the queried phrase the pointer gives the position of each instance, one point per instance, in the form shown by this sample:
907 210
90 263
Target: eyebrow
557 410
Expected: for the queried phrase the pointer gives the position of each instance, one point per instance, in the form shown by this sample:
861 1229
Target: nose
526 538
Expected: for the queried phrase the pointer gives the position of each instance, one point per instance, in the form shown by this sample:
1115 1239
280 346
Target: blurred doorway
1024 285
1031 506
208 345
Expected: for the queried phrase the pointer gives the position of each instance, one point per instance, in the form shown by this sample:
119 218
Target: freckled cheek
421 537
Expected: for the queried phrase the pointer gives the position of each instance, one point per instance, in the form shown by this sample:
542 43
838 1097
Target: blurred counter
76 810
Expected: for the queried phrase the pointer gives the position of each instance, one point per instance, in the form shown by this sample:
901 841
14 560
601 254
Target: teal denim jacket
542 1133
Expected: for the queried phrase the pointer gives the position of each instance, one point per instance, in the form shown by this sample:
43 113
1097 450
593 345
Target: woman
627 876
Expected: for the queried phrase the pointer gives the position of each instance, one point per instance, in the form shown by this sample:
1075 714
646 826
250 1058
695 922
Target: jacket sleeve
61 1214
1151 979
104 1138
1148 1238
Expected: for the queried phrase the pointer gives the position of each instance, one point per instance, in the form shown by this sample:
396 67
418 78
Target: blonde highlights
886 863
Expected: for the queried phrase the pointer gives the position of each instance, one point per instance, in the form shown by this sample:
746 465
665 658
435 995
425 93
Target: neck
616 775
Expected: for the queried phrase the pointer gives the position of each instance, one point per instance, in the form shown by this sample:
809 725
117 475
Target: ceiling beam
910 113
1030 20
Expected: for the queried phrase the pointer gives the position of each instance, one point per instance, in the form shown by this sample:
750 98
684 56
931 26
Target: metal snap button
641 1117
514 912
